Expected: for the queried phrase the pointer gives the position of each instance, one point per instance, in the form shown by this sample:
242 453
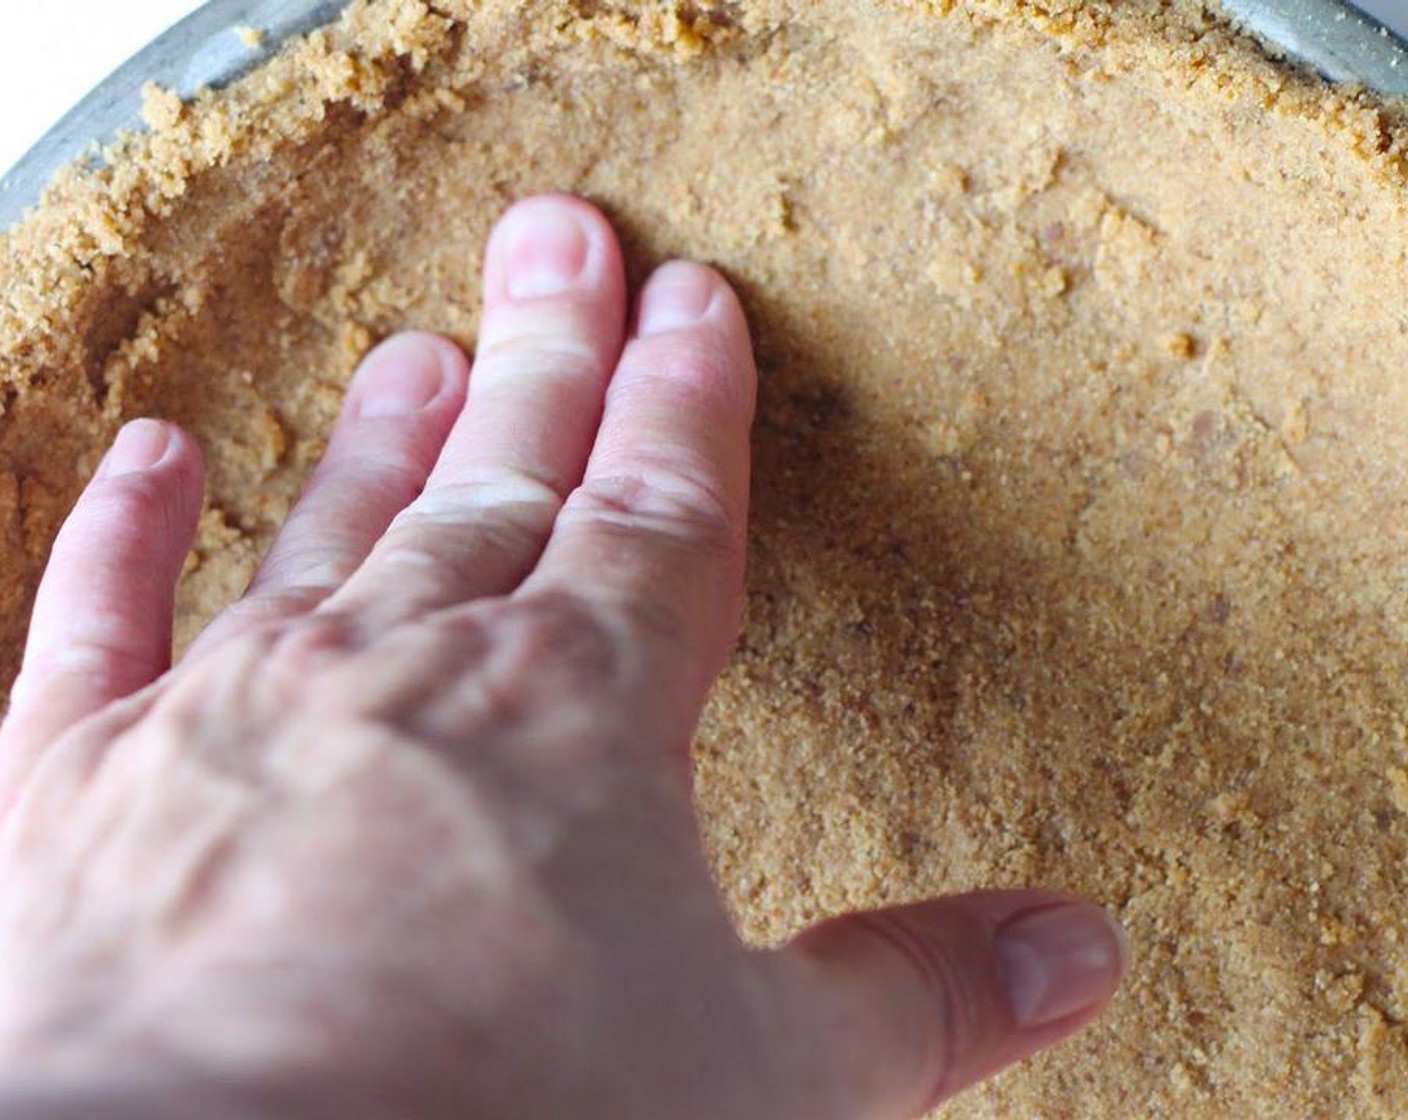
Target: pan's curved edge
1339 40
203 50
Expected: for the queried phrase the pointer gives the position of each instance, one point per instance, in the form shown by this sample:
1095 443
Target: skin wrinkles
407 833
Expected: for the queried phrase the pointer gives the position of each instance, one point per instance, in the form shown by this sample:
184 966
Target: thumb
902 1008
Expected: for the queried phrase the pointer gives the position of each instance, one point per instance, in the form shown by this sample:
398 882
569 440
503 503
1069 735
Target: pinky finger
102 622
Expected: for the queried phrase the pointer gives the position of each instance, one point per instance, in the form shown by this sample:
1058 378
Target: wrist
57 1074
72 1067
117 1099
124 1090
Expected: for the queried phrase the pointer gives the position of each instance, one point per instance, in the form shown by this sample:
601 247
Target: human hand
408 832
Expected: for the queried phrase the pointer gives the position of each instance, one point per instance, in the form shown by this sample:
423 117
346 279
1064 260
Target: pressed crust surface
1079 550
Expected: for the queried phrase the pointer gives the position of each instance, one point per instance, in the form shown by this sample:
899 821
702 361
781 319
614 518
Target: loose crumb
1030 603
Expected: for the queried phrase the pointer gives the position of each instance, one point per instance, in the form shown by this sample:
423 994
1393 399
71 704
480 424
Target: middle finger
552 331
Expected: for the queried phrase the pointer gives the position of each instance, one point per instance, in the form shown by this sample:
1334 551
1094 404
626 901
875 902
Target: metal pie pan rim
205 50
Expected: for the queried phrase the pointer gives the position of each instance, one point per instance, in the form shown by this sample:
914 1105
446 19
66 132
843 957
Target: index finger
658 528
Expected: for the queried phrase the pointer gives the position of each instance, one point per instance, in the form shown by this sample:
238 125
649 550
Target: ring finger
400 408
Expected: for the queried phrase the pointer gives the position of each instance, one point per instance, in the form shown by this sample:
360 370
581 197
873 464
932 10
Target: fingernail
678 295
1058 961
545 249
140 446
400 377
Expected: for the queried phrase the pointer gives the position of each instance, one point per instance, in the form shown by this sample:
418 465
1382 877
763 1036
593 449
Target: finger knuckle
537 664
551 343
507 494
692 366
382 475
124 513
453 527
279 600
660 495
299 649
948 992
306 572
556 633
104 665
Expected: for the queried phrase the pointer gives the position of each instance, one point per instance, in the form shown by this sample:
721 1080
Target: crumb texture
1080 556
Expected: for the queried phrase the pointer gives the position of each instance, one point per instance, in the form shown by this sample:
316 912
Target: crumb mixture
1081 539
